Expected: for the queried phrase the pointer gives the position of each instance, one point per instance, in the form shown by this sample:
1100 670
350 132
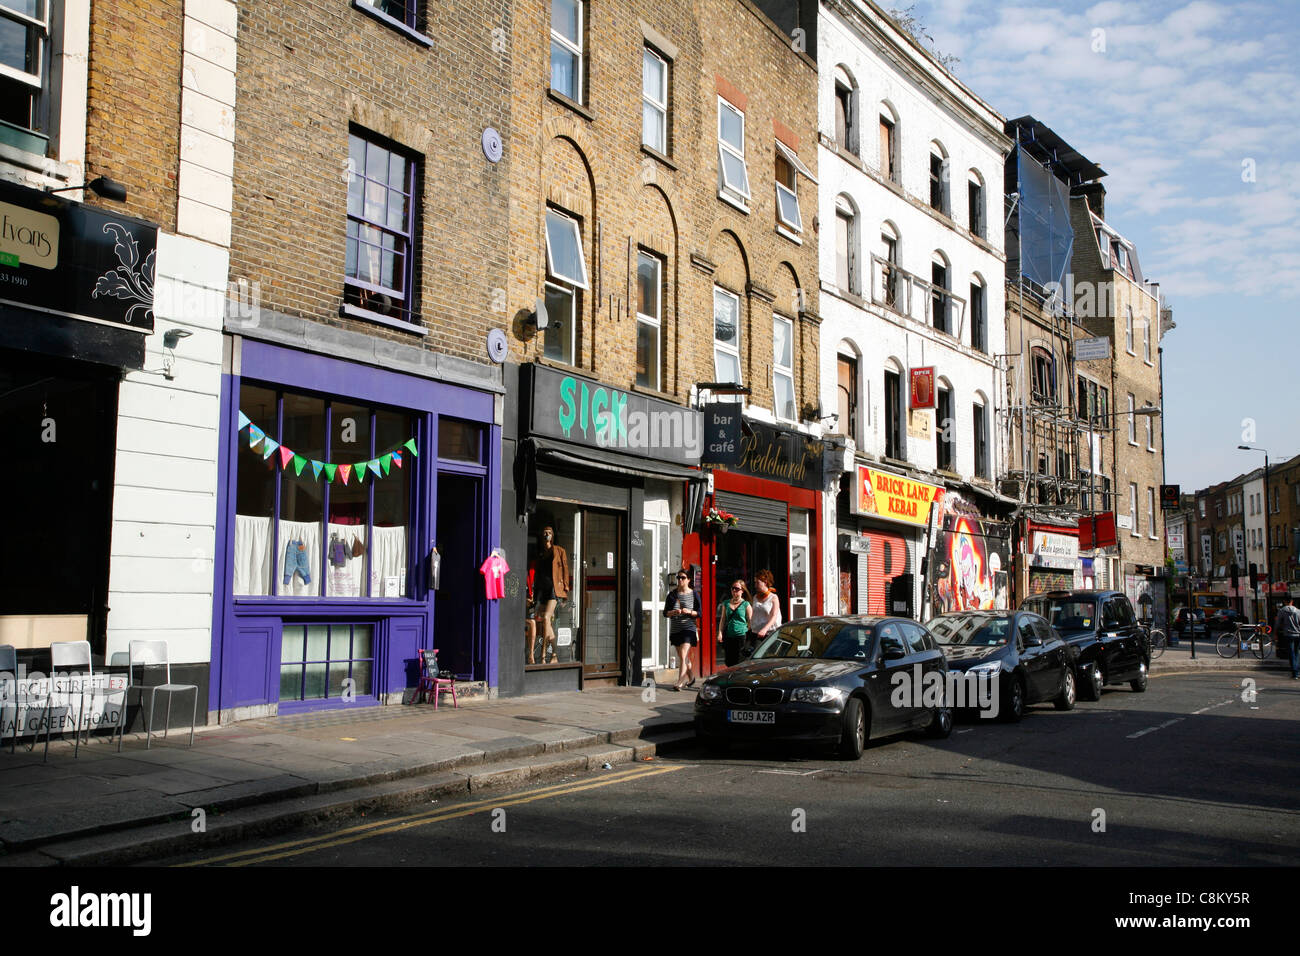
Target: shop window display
302 458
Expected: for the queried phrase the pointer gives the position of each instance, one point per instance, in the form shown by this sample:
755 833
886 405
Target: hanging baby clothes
494 572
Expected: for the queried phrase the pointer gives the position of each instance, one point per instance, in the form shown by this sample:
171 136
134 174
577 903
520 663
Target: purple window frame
406 235
365 695
321 559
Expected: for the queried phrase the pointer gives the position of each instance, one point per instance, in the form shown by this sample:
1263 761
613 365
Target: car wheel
1092 682
854 738
1013 707
940 723
1065 700
1139 684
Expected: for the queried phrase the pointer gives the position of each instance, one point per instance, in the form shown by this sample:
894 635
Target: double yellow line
365 831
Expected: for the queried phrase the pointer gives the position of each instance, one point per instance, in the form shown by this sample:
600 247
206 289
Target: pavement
262 776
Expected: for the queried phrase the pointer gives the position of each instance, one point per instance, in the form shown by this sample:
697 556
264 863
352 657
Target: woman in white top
766 616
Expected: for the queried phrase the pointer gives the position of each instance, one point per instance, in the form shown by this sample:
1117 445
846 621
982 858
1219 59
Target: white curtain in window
388 559
291 579
252 558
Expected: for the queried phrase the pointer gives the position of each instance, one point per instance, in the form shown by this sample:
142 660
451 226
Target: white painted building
912 274
1256 523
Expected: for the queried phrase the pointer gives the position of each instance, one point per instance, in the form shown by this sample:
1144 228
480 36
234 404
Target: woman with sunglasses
733 622
682 608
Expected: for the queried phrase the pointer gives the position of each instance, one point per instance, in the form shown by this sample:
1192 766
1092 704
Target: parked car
1028 661
1225 619
1113 648
827 680
1188 621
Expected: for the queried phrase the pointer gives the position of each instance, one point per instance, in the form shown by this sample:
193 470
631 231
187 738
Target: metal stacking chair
147 654
68 657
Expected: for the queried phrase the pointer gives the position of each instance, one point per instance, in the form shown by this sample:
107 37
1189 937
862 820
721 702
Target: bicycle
1158 642
1256 636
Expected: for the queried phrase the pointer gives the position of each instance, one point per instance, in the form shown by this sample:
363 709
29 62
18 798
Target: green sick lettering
584 409
567 412
599 403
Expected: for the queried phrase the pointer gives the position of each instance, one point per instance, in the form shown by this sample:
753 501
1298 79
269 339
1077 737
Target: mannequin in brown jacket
551 582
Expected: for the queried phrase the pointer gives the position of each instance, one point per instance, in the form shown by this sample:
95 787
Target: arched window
939 178
889 164
846 111
975 203
887 294
846 391
846 246
945 426
980 423
1042 369
894 410
940 294
979 337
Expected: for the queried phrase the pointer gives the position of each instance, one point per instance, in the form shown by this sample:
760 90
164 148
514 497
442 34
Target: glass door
800 576
654 571
600 595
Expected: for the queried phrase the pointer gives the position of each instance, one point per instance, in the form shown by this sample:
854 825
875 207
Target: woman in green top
733 622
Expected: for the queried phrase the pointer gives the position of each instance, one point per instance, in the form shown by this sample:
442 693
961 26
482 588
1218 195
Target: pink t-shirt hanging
494 573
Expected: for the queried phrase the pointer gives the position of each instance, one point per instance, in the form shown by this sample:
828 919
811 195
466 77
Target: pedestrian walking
1287 628
682 608
733 622
766 616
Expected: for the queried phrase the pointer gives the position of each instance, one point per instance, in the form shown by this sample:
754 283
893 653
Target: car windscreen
827 640
971 629
1066 614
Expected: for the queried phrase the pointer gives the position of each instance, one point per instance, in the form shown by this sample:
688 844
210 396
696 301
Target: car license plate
752 716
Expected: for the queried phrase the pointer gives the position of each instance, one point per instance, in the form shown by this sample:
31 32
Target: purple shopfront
356 506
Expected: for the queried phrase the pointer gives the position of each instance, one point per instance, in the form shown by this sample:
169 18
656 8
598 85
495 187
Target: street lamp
1268 538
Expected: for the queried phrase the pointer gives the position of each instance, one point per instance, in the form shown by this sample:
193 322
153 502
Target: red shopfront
775 491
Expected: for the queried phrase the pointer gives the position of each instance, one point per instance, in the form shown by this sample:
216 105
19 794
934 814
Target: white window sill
355 312
730 200
392 22
782 230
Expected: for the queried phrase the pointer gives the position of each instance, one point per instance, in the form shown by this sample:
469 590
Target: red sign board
1097 531
922 380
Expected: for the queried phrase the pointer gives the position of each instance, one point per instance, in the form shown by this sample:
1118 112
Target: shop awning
577 456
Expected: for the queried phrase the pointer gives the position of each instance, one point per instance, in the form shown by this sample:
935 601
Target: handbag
358 547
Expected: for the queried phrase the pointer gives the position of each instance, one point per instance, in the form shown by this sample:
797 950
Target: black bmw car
1020 655
830 680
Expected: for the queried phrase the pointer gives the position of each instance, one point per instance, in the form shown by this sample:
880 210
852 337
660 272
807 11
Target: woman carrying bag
733 622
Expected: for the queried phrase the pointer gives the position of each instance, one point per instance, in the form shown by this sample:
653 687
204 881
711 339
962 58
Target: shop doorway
58 424
741 556
460 603
654 586
600 594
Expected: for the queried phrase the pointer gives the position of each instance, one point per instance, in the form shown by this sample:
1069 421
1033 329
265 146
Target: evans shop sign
586 412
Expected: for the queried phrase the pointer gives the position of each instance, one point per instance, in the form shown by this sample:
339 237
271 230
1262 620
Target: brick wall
309 71
587 160
133 104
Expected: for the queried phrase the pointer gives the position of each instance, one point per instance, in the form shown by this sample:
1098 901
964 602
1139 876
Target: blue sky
1183 104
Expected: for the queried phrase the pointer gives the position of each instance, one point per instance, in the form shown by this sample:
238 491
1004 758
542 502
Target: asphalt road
1186 774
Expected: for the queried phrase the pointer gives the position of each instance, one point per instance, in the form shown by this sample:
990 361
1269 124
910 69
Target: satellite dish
497 347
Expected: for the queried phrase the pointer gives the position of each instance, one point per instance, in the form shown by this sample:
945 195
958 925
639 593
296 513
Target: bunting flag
380 467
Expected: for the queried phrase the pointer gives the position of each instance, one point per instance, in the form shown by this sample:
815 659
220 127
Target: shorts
684 637
543 591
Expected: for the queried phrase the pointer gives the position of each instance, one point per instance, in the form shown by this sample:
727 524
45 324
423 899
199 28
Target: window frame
732 350
727 191
945 449
1135 531
409 23
975 207
661 107
406 299
582 282
786 371
850 400
846 96
572 345
939 183
565 285
1151 432
39 32
655 321
889 149
1132 418
1041 357
1151 512
578 49
979 340
791 190
1128 330
846 216
979 416
1146 343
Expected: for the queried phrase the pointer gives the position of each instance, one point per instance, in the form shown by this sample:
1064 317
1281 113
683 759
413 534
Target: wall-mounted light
172 338
100 186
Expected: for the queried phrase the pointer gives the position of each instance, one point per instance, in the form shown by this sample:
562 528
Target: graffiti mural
970 562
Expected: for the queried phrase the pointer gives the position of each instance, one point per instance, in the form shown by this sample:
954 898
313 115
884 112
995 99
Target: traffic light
1234 577
1254 575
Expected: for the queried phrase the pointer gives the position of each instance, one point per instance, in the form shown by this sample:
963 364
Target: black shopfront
601 468
76 303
